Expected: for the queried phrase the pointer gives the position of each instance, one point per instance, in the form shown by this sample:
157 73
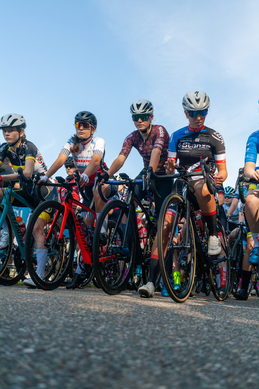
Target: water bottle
21 224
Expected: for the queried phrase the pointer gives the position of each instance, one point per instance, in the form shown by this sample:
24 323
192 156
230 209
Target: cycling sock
80 265
246 276
223 276
153 269
211 220
255 238
41 255
177 278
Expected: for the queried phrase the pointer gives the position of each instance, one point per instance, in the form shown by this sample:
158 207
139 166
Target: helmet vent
138 105
198 101
12 122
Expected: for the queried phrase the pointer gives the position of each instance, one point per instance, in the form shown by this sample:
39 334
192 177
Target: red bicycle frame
68 205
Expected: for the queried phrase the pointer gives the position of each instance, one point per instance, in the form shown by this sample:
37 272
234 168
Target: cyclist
151 141
23 153
192 143
233 217
251 211
88 153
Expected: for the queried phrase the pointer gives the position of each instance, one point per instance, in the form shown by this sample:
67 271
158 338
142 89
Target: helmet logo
196 93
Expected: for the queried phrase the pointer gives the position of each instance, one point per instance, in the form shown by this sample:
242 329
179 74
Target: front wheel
6 244
114 247
176 248
49 272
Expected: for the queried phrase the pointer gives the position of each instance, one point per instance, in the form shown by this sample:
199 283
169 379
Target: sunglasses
85 125
143 117
194 114
228 197
69 166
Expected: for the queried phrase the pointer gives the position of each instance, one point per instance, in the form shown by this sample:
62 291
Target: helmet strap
20 139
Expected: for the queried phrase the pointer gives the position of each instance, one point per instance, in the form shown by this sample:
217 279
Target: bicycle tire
187 263
60 254
5 253
236 259
214 269
15 269
112 262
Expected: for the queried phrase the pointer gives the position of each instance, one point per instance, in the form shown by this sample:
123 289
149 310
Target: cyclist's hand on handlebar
218 179
84 179
170 165
43 179
104 177
255 175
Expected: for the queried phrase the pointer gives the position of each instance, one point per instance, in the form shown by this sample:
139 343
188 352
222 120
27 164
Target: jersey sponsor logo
40 160
218 137
161 132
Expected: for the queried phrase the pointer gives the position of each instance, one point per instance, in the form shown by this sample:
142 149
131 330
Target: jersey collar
193 130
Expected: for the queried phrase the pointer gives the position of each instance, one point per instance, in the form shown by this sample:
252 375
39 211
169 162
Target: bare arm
250 171
56 165
222 173
117 164
233 206
28 170
155 158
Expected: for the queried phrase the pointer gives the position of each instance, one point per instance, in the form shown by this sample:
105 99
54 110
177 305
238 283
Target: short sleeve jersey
190 146
26 150
158 138
82 159
252 147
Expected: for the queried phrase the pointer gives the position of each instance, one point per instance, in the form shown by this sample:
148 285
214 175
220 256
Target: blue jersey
252 147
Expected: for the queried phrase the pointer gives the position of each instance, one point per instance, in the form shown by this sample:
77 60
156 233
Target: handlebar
66 185
241 180
182 173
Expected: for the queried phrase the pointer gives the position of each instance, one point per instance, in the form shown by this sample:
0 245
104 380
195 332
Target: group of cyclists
84 151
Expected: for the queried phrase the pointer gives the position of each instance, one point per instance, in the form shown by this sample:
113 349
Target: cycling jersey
158 138
252 147
95 146
190 146
26 150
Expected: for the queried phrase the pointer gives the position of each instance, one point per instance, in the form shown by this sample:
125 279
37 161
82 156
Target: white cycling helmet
12 120
141 106
196 101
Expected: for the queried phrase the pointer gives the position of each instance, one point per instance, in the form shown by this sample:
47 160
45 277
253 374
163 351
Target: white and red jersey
95 146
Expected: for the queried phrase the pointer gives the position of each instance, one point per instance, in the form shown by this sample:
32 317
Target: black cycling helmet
85 116
69 162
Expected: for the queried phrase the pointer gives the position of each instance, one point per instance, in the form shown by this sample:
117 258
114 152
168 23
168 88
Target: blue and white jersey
252 147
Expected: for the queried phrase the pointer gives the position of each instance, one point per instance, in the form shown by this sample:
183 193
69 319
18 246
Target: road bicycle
188 250
61 229
12 257
116 262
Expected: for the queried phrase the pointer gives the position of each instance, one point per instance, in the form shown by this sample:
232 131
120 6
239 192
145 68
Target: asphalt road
87 339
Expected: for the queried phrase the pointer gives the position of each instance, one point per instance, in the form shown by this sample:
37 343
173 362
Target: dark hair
75 146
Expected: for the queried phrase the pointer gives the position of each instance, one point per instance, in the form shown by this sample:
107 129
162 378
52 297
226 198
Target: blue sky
61 57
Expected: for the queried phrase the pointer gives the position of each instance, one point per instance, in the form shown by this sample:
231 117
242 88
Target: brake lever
77 179
97 179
